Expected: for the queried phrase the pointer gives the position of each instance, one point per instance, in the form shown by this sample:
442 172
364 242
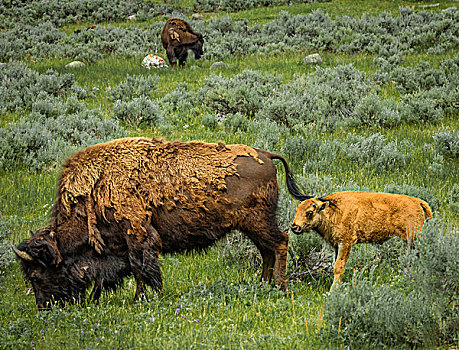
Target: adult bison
344 219
121 203
178 37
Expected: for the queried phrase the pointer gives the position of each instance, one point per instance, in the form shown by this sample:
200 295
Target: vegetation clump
37 142
55 122
434 32
238 5
23 89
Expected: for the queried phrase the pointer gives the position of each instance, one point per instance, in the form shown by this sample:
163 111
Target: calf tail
291 184
427 210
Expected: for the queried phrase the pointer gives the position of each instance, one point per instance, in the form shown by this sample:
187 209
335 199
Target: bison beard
122 203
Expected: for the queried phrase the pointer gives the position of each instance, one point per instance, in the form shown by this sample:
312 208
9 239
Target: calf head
44 267
308 215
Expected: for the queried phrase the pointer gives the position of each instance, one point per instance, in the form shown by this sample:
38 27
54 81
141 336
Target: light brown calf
344 219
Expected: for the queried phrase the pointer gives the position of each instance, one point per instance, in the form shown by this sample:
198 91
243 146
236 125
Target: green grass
207 302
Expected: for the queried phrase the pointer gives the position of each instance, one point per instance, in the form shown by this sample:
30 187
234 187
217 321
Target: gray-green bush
447 143
244 92
374 151
137 111
238 5
62 12
23 89
133 87
36 142
408 32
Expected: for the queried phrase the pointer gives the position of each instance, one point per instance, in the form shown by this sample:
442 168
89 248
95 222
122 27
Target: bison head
53 280
308 215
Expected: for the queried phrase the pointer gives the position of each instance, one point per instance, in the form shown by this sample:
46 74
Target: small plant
453 198
179 100
243 93
6 253
374 151
137 111
447 143
133 87
237 248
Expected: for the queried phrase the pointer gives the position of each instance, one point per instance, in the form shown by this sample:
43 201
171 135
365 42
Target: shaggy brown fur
360 217
177 38
123 202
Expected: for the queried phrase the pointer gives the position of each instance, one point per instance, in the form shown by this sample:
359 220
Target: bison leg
269 258
340 263
182 56
144 261
280 266
171 56
145 266
273 249
96 292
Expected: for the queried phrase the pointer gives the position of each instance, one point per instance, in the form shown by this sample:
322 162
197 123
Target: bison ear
43 250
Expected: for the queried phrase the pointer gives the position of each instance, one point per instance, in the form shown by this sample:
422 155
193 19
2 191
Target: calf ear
324 206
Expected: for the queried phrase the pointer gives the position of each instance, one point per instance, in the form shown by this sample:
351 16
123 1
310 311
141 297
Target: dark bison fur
122 203
177 38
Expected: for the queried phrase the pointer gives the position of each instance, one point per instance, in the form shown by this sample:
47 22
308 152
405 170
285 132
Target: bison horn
23 255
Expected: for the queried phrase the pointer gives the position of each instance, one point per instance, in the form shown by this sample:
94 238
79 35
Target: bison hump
133 176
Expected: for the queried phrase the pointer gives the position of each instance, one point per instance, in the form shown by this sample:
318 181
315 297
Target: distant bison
121 203
178 37
344 219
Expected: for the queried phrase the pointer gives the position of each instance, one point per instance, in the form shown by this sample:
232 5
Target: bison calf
177 38
344 219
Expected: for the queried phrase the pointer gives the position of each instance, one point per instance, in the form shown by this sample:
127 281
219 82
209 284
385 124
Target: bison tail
291 184
293 187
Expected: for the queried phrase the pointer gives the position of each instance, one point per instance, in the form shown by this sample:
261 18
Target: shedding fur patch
135 175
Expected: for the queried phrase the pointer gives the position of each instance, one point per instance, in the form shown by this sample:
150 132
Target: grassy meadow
214 299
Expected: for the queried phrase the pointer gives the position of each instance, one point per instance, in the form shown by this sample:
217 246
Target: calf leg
340 264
